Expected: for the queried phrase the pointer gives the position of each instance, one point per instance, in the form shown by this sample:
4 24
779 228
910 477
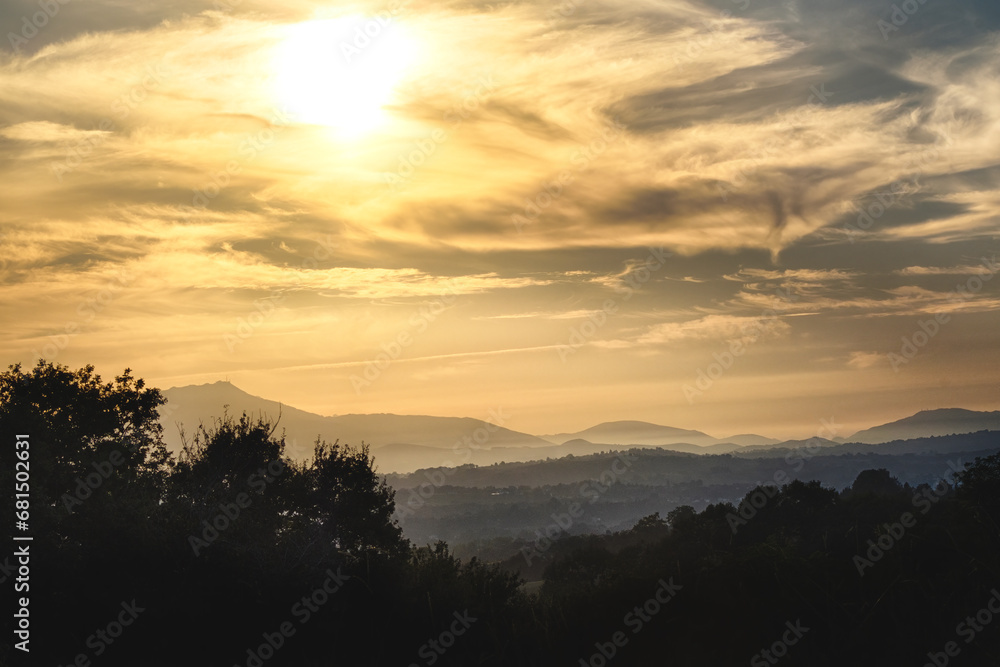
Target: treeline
881 574
231 555
234 554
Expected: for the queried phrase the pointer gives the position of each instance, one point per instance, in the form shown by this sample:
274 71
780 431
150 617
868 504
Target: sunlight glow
342 72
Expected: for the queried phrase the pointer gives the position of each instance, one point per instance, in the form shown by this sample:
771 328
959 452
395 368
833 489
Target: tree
877 482
351 503
98 468
982 478
88 438
681 517
235 492
979 487
223 457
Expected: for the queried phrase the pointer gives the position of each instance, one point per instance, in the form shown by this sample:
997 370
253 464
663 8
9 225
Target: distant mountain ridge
415 437
646 433
404 443
634 432
927 423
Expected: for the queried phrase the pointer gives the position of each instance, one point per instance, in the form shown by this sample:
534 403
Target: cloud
968 270
715 328
734 149
48 132
809 276
861 360
744 138
540 315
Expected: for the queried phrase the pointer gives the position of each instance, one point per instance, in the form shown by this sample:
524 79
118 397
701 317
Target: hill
646 433
416 440
405 443
926 423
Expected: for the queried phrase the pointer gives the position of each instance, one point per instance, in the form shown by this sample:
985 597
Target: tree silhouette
221 547
351 503
877 482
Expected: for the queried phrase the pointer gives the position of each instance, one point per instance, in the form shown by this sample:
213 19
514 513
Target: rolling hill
414 438
645 433
927 423
405 443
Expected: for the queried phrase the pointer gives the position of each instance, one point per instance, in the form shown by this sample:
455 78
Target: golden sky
732 216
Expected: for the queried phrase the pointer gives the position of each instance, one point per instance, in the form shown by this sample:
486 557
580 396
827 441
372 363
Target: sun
342 72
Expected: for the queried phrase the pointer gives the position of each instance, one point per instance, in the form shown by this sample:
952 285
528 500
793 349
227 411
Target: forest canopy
232 553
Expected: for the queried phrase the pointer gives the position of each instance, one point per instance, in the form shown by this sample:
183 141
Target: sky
727 215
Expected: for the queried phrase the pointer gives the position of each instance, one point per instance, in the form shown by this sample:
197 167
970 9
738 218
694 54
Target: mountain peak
630 432
940 421
401 440
945 413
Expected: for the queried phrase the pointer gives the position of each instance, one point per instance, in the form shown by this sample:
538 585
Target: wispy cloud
861 360
744 140
967 270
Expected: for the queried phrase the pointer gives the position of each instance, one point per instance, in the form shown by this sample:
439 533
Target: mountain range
400 437
945 421
644 433
404 443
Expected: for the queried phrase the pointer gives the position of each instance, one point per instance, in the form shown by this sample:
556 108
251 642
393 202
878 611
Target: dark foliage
234 541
